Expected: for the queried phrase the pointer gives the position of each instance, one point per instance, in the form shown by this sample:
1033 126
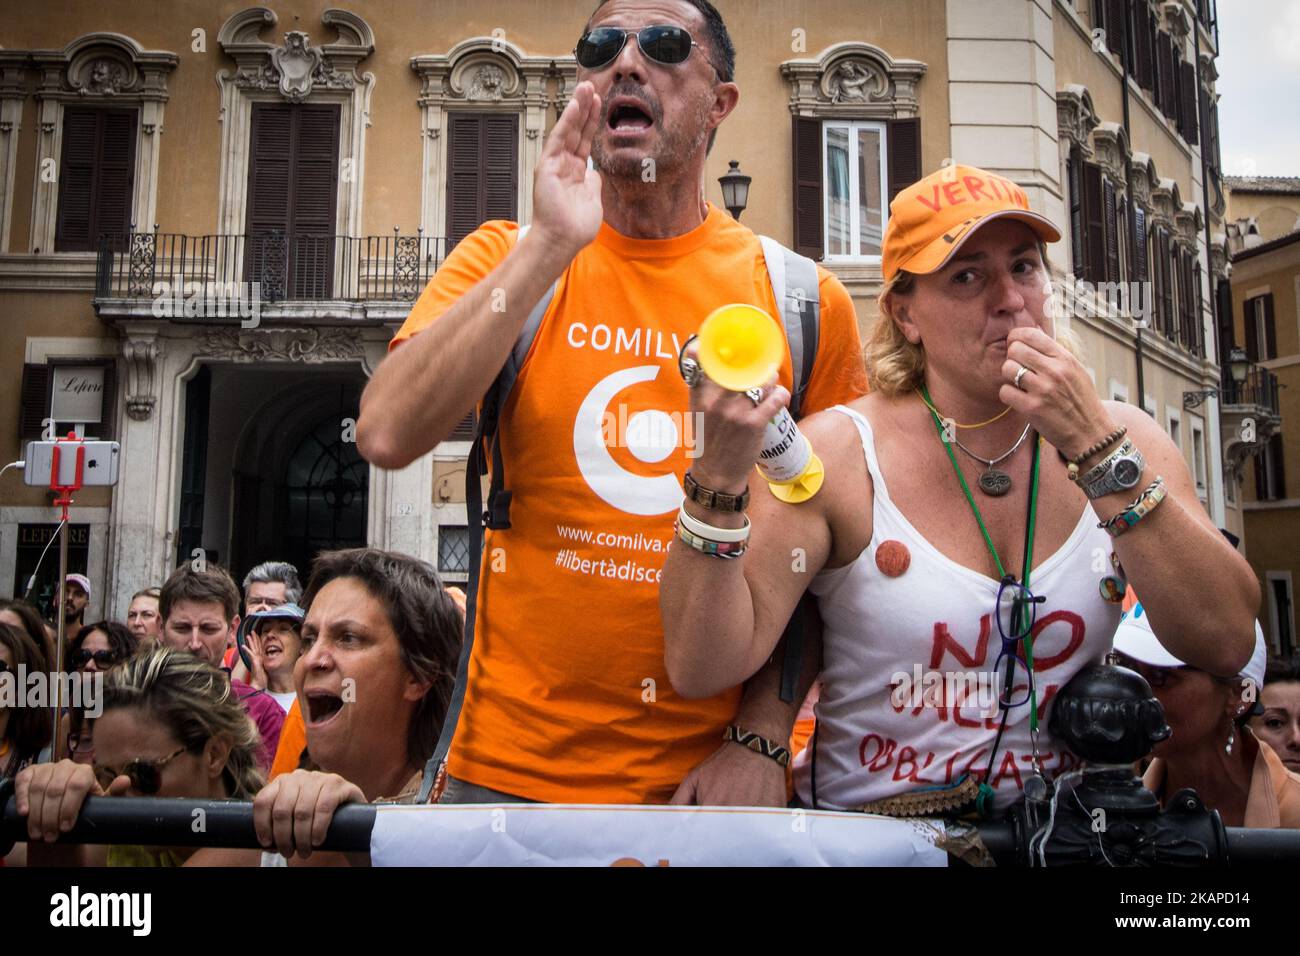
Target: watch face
1127 472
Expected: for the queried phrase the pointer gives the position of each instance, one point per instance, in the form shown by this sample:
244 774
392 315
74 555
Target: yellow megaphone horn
741 348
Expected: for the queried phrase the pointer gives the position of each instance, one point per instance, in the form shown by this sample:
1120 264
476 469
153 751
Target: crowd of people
665 680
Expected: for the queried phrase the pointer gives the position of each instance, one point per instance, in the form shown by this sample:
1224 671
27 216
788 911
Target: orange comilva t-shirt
568 699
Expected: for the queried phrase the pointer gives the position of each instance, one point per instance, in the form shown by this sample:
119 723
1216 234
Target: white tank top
877 736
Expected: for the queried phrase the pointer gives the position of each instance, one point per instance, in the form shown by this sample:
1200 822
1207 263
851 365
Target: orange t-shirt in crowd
293 741
568 699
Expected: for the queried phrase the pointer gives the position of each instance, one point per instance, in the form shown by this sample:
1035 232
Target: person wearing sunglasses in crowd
1212 748
96 648
569 700
1279 723
958 531
171 727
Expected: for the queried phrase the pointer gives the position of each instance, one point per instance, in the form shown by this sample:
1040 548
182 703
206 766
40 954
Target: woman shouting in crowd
982 508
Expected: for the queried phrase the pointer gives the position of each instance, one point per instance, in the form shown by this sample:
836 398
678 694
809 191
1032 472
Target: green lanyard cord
986 792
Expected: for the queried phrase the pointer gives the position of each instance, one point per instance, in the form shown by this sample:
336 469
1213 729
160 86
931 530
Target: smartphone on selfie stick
65 465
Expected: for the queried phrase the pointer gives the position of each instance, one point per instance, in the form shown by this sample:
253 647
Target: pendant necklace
994 482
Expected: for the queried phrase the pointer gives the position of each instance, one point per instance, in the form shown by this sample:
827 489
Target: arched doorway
322 498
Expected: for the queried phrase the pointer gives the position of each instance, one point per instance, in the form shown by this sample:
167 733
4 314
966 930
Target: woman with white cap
981 509
1212 749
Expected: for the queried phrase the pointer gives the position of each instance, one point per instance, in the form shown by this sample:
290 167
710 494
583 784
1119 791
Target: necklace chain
979 425
1019 441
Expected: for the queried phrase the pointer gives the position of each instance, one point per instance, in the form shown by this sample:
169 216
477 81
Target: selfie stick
63 498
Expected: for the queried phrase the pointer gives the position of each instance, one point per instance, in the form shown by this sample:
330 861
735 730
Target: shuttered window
1139 264
292 195
482 171
1110 212
845 176
96 176
1143 33
1074 170
1094 224
1188 124
808 238
1261 328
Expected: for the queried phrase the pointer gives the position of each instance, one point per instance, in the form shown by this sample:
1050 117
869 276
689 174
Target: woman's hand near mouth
257 661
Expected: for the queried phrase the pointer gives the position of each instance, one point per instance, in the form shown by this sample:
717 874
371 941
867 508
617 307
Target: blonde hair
195 701
896 367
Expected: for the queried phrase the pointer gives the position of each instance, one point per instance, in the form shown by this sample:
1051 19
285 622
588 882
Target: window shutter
808 188
1094 224
1110 213
501 186
315 191
1198 342
270 183
1227 333
113 190
1189 124
95 177
1115 26
1168 76
1270 329
1139 244
1073 168
1251 325
482 171
1143 36
34 404
904 154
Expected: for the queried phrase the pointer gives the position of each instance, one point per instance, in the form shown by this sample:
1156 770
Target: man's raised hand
567 210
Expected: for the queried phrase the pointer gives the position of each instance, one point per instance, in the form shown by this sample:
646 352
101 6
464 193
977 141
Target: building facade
1264 239
154 169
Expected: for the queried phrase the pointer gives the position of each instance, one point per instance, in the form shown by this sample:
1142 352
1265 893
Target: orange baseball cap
930 219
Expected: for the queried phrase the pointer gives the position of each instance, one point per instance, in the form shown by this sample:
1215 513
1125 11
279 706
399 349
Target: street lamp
1239 365
735 189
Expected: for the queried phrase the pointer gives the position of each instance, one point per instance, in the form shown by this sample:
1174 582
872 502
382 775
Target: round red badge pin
893 558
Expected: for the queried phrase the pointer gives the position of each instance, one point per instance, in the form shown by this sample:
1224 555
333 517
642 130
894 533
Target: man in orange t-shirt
568 699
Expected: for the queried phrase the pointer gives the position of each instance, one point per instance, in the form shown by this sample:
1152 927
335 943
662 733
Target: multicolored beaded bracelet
716 549
1141 506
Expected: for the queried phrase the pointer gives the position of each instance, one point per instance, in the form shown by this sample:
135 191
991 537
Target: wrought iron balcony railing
1259 389
285 267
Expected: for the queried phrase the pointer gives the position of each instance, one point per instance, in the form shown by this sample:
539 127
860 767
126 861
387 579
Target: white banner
580 835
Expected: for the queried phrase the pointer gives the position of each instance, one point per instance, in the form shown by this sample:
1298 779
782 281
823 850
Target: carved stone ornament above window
1110 143
1165 201
854 79
295 68
1076 118
1142 169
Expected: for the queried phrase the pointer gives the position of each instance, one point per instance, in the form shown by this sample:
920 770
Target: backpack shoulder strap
798 295
497 515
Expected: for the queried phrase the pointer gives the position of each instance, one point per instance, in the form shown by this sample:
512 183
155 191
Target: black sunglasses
664 44
102 658
145 775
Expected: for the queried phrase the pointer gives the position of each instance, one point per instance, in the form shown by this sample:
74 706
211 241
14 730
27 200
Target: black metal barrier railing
229 824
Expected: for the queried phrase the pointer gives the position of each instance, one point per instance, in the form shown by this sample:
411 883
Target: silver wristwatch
1120 471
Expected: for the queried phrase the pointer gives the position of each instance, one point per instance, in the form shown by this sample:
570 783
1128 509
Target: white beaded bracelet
708 531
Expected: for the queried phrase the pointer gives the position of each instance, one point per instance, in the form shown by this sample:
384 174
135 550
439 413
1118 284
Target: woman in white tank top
938 486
